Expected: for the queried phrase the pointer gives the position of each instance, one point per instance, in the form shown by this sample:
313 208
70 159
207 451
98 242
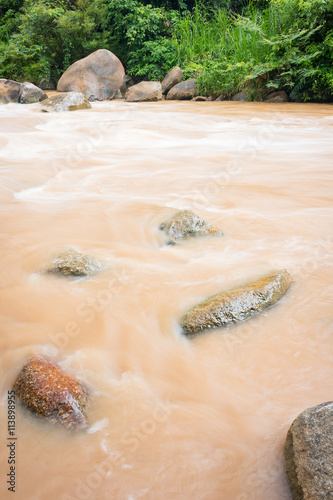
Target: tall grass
258 50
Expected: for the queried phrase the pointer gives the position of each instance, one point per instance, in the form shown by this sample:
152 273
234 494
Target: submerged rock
69 101
98 76
237 305
48 392
174 77
29 93
186 224
9 91
308 454
184 90
71 263
144 92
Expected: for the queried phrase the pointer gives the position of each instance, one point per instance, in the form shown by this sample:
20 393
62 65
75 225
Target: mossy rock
237 305
72 263
186 224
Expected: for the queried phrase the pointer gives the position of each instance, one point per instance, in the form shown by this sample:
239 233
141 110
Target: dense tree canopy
227 44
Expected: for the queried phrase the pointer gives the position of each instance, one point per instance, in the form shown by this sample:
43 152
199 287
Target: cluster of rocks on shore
101 76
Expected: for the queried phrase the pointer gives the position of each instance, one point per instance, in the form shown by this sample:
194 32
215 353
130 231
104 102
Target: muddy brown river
171 418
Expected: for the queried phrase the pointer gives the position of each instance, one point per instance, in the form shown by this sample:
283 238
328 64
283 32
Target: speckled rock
69 101
48 392
97 76
237 305
71 263
29 93
186 224
184 90
308 454
174 77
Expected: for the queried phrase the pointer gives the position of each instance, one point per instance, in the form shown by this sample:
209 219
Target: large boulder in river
29 93
237 305
308 454
187 224
184 90
48 392
144 92
69 101
9 91
72 263
279 96
174 77
98 76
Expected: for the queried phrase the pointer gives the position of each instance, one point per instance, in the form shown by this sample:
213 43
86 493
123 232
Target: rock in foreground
71 263
70 101
144 92
48 392
308 454
98 76
183 91
237 305
9 91
29 93
186 224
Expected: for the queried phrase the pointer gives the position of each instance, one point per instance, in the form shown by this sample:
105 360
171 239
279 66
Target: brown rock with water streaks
69 101
308 454
186 224
237 305
48 392
97 76
72 263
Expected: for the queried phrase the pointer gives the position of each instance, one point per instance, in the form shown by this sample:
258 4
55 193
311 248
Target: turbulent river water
171 418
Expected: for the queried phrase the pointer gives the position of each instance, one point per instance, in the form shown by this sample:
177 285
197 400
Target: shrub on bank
228 45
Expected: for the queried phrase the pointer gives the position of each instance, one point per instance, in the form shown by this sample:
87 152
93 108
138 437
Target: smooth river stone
71 263
48 392
237 305
308 454
186 224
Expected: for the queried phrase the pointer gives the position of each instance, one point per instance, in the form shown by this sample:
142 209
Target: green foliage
227 45
286 46
140 36
48 39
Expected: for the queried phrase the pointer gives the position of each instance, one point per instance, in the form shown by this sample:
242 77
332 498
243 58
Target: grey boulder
308 454
69 101
9 91
29 93
185 90
144 92
174 77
